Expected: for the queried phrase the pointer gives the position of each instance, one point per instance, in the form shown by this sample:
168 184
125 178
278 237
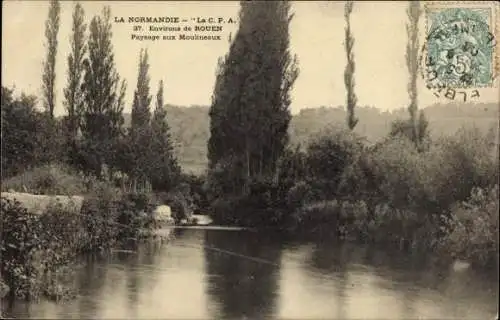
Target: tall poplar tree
413 13
250 108
164 170
49 66
102 118
349 69
73 92
140 130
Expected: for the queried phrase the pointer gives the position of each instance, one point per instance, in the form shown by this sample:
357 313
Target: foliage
401 174
99 215
140 135
461 162
19 121
197 190
317 217
412 48
164 171
406 128
473 228
135 215
328 156
38 249
394 192
299 195
354 219
292 166
224 178
49 67
35 249
433 180
262 206
249 115
29 137
73 93
108 218
179 200
102 118
352 121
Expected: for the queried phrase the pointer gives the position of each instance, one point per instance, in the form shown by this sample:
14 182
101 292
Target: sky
188 67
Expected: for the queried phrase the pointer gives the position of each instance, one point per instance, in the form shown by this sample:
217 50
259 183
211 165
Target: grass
48 180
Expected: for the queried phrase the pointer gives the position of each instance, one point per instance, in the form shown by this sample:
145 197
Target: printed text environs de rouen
175 28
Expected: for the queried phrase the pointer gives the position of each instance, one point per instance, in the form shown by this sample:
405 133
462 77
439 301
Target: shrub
396 225
328 156
400 171
429 182
223 210
180 202
260 206
99 216
354 219
135 215
318 217
473 228
465 160
30 138
36 250
197 190
299 195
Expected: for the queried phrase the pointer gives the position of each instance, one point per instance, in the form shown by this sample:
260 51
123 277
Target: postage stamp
460 47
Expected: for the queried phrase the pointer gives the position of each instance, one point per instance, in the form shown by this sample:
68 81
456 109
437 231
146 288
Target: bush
463 161
109 218
400 226
135 215
180 202
473 228
261 206
197 191
36 250
401 172
432 181
223 210
354 220
30 138
299 195
318 217
328 156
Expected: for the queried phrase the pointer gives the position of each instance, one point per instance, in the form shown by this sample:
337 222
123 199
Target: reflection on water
242 284
214 274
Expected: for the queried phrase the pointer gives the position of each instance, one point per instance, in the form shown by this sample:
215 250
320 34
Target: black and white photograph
250 160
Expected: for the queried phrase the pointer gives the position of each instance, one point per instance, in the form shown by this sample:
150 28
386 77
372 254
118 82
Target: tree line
91 137
250 115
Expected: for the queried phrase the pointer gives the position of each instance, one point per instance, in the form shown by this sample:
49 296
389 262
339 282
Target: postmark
459 50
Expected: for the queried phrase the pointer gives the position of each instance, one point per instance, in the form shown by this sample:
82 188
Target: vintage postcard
249 159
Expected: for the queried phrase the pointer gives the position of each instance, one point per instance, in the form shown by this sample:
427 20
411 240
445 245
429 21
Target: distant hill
190 125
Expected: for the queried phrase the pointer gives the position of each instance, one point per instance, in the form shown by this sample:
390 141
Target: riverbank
466 235
437 195
43 235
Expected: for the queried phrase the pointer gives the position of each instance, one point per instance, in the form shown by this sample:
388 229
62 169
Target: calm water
215 274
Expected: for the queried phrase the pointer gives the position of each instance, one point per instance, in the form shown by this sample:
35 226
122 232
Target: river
227 274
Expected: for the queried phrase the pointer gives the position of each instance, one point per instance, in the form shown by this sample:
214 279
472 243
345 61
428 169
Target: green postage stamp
460 48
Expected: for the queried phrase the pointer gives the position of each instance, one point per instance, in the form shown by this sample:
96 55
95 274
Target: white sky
188 67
